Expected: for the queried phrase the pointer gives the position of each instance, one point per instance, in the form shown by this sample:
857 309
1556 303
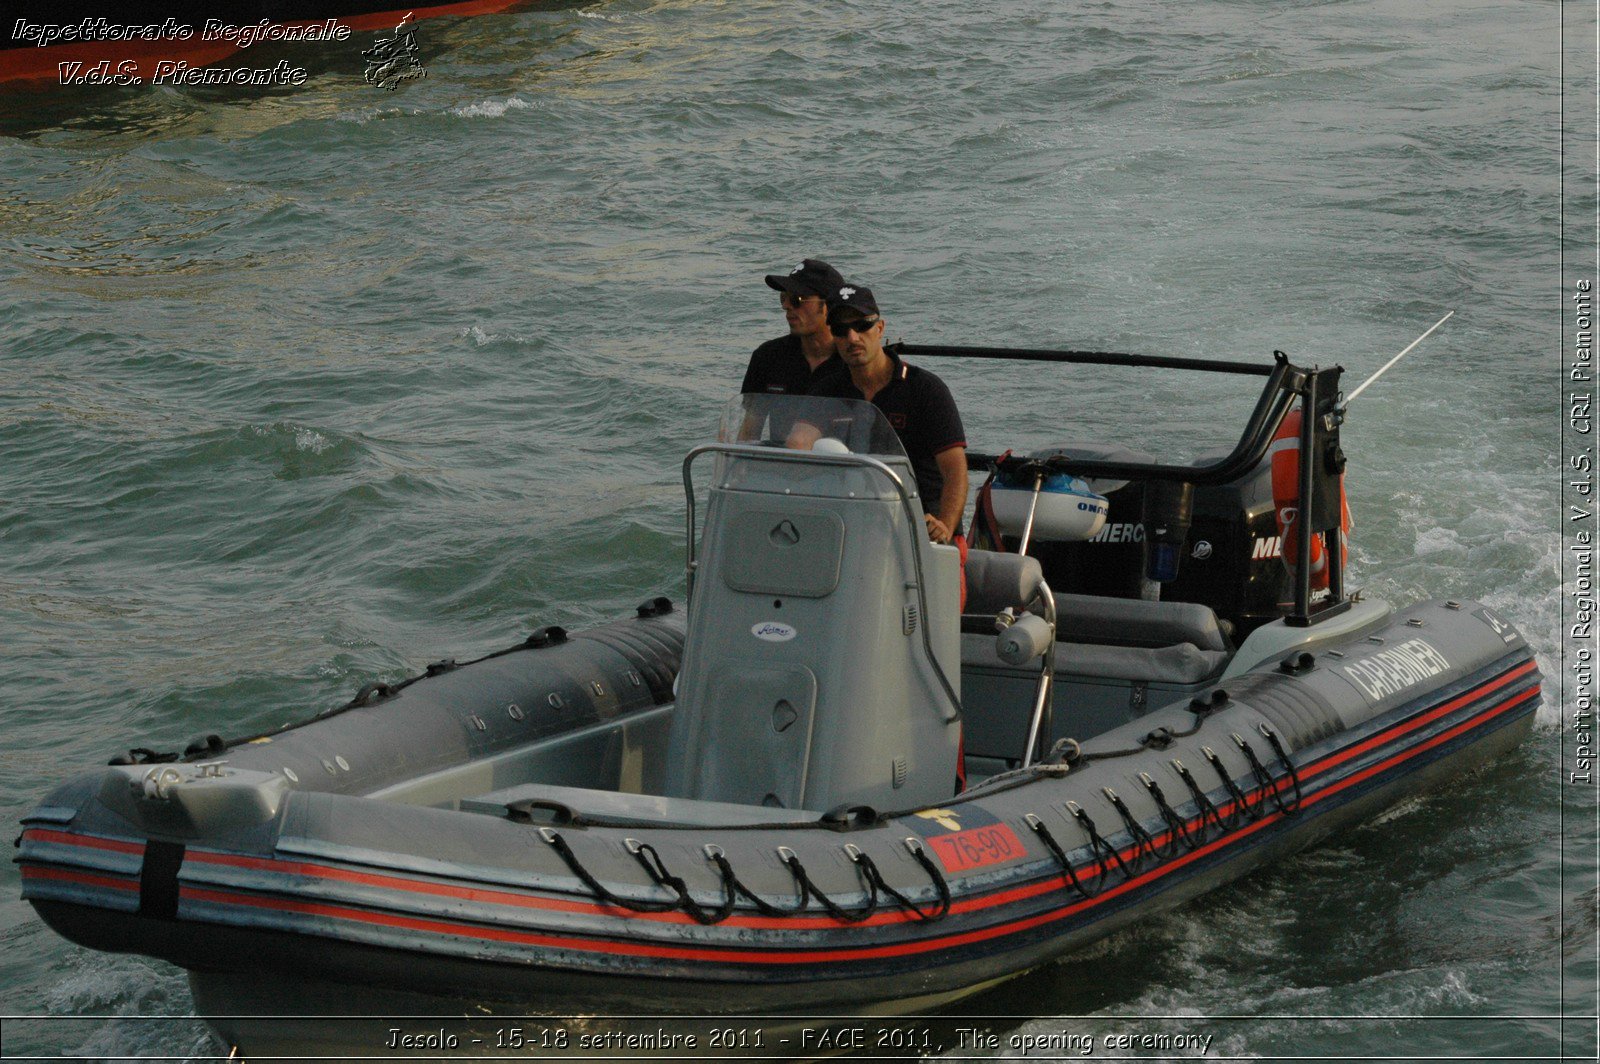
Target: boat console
821 665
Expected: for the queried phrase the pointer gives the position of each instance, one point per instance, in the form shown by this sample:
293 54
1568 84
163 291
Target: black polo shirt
919 407
779 367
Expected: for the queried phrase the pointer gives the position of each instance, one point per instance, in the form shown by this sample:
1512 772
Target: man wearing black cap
914 401
790 364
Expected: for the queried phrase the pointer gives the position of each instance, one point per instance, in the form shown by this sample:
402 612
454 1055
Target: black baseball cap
813 277
852 297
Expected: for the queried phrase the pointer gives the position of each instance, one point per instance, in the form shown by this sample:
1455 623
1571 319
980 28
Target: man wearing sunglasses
790 365
915 402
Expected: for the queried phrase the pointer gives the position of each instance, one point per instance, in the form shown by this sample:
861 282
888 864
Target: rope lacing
650 860
1180 833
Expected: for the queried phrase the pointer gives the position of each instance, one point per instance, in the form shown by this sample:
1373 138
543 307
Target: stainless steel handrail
1044 698
860 461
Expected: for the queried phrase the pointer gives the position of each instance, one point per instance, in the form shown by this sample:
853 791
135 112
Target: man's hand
802 436
953 497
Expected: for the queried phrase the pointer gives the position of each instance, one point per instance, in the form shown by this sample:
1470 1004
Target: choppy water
305 388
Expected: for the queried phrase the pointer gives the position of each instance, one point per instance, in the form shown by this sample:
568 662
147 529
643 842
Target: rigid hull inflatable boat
752 805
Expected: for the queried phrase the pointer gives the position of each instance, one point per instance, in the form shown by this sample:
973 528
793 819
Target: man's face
858 342
806 313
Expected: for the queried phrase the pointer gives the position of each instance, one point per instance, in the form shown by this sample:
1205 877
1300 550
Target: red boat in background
143 43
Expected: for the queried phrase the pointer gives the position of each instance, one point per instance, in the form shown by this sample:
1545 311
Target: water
305 388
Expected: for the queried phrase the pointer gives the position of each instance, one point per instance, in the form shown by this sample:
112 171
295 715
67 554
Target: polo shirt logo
897 420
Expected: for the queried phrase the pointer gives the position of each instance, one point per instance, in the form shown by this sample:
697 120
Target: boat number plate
977 847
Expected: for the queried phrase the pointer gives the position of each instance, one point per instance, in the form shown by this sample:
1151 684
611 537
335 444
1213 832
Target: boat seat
616 805
1179 663
1119 622
1101 620
997 580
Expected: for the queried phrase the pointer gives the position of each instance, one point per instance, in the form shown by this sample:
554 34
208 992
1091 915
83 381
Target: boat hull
525 901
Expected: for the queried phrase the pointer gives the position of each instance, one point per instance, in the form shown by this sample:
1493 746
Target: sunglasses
790 299
858 325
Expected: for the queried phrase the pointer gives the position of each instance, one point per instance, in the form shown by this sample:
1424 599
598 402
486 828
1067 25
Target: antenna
1392 361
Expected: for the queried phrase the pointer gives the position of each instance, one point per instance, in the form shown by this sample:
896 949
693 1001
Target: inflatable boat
850 775
158 42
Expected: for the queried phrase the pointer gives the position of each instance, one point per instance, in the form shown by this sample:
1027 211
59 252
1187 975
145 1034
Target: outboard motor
1230 554
822 662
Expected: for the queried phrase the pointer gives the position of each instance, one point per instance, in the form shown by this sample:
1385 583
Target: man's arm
754 383
952 497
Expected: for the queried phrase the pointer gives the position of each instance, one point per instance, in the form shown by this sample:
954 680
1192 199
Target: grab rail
859 461
1277 395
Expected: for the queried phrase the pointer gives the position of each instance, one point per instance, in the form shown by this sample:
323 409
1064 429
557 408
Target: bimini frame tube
1308 482
1044 697
1277 395
1285 384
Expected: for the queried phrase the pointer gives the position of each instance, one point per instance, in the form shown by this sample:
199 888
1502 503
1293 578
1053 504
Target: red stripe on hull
65 838
69 876
764 956
493 896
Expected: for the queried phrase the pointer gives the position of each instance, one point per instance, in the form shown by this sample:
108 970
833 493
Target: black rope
1202 706
600 890
764 907
1097 846
849 916
1060 855
1294 777
1200 799
1141 837
1242 809
1174 822
143 755
922 916
650 859
1265 786
1112 755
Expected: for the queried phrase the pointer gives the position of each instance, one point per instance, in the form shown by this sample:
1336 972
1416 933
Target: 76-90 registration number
977 847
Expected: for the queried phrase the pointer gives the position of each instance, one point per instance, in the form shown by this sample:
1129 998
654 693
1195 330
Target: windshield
809 422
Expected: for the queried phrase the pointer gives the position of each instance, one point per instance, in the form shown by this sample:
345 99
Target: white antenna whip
1392 361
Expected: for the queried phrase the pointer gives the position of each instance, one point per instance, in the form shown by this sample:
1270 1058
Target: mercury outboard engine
1227 559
